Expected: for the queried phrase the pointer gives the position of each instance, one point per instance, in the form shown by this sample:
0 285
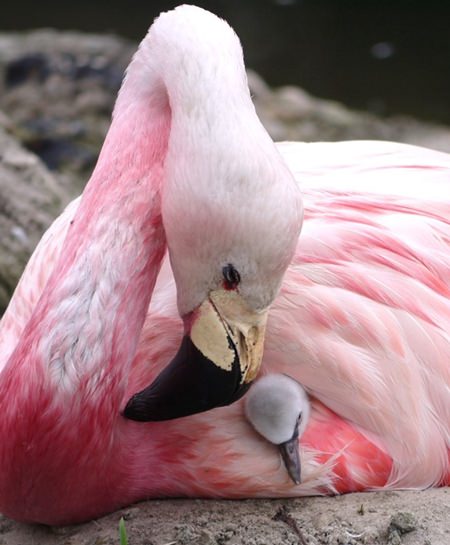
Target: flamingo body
362 321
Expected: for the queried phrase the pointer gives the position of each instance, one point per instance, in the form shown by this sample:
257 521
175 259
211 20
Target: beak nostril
252 336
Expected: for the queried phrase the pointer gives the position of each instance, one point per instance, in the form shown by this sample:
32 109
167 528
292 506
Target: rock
289 113
59 89
30 198
393 537
403 522
259 88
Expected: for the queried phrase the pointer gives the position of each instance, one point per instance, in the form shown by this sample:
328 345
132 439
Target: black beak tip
135 409
291 458
190 384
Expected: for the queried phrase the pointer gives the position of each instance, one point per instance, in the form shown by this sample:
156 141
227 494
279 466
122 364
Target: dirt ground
391 518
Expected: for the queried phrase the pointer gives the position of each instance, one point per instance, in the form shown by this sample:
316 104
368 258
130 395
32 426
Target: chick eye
231 277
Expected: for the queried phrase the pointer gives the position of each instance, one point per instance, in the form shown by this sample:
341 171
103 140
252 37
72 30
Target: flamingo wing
363 317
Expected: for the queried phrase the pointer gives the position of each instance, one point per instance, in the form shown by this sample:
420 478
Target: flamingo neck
63 385
89 317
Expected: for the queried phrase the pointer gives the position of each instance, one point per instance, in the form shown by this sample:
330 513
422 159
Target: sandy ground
393 518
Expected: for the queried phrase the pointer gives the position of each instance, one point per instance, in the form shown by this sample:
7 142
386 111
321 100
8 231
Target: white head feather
228 196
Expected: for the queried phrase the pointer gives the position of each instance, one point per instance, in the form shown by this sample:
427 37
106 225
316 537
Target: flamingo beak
291 457
219 357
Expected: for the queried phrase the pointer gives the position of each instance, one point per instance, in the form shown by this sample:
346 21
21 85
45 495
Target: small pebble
403 523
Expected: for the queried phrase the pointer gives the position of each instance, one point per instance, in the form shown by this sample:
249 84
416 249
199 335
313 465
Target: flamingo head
230 244
278 408
232 213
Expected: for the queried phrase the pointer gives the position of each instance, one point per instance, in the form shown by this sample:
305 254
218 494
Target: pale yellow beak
222 318
218 359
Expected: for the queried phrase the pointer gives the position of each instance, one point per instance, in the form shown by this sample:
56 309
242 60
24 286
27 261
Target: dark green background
322 45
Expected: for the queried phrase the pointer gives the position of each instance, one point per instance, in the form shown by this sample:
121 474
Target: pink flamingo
362 319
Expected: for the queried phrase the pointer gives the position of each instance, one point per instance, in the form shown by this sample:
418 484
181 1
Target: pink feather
362 321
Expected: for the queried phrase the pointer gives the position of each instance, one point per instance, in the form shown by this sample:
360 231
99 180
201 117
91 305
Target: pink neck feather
72 360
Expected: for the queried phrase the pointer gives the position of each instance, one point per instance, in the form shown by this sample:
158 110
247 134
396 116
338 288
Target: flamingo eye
231 277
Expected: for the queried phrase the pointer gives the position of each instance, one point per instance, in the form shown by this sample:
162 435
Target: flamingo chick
278 408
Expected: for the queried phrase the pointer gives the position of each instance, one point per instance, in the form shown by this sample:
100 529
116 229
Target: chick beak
219 357
290 454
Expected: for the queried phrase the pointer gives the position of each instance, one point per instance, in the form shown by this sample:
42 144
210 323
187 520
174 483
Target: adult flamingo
362 319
